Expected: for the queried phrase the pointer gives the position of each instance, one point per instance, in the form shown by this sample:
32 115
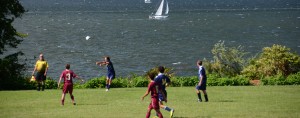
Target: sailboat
161 12
148 1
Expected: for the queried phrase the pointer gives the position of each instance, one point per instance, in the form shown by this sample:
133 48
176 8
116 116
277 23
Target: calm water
122 30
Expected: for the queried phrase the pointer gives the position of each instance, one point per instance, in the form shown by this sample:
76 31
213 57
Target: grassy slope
228 101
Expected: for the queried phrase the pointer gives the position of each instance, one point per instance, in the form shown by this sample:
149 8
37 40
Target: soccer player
202 82
110 71
153 88
41 67
163 81
68 76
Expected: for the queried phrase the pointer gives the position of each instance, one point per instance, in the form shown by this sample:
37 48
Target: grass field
225 102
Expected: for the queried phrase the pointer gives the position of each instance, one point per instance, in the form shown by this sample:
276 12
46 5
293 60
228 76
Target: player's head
68 66
161 69
199 62
151 76
42 57
107 58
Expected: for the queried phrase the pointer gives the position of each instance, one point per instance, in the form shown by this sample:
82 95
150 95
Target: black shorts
40 76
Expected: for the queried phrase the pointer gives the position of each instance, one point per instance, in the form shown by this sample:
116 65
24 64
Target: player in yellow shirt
41 67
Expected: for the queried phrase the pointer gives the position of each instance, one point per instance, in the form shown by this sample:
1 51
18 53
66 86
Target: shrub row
141 81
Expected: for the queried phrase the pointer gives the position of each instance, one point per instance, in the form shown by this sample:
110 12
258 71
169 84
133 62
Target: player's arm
147 92
100 63
59 82
200 81
34 70
79 78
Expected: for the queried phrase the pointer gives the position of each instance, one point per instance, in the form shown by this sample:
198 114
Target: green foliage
11 72
228 61
10 69
275 60
50 83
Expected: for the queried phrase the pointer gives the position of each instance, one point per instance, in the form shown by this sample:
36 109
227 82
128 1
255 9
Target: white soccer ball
87 37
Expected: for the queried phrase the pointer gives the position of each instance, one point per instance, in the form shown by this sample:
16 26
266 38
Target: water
122 30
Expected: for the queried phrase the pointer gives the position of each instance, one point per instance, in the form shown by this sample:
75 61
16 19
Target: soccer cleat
172 113
199 100
106 90
74 103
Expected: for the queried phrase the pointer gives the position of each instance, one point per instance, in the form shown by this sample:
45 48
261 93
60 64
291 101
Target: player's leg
38 79
205 95
63 98
70 89
43 77
198 93
107 81
159 114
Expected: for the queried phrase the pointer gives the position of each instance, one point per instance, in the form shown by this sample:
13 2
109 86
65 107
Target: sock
199 96
206 98
39 86
43 87
72 97
108 86
167 108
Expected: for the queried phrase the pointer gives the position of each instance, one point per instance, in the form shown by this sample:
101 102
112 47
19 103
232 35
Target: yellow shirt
41 66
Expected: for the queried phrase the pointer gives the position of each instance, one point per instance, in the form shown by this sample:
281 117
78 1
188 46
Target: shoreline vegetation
276 65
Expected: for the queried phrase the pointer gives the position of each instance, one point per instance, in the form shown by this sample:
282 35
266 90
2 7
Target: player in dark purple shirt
110 71
202 82
153 87
68 76
162 80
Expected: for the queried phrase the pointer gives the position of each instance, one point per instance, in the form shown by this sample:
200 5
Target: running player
163 81
110 71
153 88
68 76
202 82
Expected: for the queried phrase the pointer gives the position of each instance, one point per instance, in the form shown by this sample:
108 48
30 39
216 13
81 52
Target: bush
275 60
293 79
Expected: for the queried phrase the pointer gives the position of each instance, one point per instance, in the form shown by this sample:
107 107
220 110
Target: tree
10 69
275 60
227 61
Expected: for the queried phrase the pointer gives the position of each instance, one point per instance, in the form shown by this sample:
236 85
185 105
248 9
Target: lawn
225 102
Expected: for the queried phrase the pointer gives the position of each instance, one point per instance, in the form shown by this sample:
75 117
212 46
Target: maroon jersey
68 76
153 88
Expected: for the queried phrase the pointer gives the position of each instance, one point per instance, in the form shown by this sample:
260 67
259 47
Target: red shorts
68 87
154 104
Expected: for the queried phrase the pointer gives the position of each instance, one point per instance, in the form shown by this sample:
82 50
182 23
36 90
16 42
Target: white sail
160 8
161 12
167 8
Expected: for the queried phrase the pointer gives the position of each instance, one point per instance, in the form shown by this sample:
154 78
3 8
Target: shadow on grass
225 101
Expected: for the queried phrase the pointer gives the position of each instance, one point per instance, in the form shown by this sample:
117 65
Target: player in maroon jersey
68 76
153 88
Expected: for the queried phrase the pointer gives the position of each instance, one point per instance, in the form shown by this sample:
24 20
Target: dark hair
107 57
151 76
161 69
68 66
199 62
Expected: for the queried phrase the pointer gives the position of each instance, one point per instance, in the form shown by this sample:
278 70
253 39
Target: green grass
225 102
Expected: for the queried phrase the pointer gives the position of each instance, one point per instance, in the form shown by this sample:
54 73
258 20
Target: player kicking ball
68 76
153 88
110 71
